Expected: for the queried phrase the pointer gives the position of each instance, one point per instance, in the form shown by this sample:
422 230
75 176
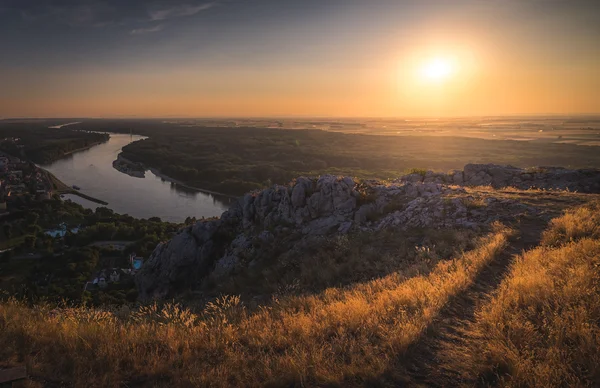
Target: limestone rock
309 207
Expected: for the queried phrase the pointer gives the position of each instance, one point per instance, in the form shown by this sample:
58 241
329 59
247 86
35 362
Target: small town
20 179
52 247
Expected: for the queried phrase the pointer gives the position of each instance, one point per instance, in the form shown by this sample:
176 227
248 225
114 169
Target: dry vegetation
341 260
542 329
341 336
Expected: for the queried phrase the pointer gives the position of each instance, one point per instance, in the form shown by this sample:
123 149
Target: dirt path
425 362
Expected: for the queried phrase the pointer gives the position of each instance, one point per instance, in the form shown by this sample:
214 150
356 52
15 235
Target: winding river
151 196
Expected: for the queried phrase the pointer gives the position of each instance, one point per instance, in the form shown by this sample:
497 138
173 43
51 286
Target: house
16 174
61 231
42 194
114 276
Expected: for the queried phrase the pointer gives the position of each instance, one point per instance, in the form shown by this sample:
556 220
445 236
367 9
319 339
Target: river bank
180 183
139 197
83 148
126 166
62 188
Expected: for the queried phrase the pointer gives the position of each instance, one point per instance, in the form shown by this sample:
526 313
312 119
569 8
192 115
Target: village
113 278
21 181
51 247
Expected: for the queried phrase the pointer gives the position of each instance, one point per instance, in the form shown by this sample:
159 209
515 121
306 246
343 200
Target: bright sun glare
437 69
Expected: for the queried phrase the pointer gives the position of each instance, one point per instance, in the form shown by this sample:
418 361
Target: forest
61 266
37 142
236 160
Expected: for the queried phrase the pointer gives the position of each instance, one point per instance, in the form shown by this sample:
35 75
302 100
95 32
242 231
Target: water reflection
151 196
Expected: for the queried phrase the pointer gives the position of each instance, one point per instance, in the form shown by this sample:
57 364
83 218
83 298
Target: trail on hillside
427 363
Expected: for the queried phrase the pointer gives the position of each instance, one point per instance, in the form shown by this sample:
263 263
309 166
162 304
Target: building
42 194
16 174
61 231
115 276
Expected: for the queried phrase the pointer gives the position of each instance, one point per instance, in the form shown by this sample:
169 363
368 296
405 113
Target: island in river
142 197
136 170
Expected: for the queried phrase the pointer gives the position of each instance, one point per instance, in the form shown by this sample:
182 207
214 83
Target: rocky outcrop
546 178
177 262
327 205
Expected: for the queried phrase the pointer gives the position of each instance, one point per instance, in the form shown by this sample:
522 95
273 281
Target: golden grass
575 223
542 329
341 336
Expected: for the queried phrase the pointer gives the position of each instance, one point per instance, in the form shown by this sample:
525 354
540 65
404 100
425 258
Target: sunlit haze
437 69
377 58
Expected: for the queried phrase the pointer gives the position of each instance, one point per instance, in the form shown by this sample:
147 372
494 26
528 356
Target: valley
382 276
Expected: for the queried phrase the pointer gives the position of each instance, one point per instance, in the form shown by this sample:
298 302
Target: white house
114 276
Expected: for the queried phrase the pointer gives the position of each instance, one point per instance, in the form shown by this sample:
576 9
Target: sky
298 58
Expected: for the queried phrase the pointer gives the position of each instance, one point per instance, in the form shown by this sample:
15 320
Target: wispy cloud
178 11
140 31
135 16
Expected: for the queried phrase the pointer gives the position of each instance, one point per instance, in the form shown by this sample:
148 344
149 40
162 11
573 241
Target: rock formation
330 204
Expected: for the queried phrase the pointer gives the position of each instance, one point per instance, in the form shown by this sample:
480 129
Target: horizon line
288 117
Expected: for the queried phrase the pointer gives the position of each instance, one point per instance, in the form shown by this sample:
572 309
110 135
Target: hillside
485 276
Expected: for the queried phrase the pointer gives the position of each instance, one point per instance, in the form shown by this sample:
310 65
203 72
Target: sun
437 69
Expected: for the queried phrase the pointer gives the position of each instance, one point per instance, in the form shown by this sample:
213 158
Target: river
147 197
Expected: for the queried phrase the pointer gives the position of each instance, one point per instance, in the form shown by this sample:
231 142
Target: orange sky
503 62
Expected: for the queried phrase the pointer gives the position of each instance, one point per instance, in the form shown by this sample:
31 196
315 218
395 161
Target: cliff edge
292 216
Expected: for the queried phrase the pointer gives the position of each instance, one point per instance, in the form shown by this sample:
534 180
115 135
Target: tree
104 212
190 220
34 229
32 218
6 256
30 240
7 229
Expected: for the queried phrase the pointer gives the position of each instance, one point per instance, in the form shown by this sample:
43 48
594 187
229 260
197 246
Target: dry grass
342 336
542 329
474 203
337 261
574 224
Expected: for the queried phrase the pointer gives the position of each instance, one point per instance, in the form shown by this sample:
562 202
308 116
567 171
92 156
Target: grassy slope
542 329
341 336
